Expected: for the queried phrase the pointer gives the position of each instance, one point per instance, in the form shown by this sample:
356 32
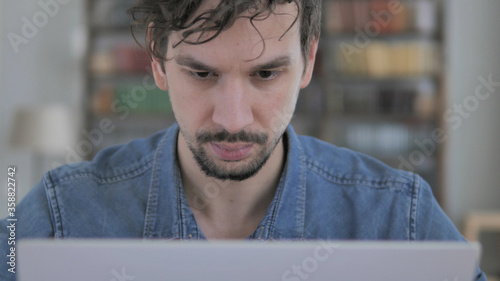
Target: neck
229 209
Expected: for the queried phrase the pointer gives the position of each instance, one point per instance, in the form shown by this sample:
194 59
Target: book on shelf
361 14
346 13
122 58
106 13
381 16
124 99
370 99
401 20
384 140
382 59
425 15
333 17
378 59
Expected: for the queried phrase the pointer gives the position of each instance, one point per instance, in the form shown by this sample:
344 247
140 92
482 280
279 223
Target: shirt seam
344 179
152 202
414 208
274 214
144 167
55 212
301 207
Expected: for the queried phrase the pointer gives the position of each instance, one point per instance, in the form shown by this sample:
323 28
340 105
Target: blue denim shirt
325 192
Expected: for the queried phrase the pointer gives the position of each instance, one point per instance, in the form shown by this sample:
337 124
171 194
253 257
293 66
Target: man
232 167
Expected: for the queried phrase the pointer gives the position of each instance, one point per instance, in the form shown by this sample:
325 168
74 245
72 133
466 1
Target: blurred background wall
44 69
473 150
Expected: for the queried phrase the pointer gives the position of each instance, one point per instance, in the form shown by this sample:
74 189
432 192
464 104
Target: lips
231 152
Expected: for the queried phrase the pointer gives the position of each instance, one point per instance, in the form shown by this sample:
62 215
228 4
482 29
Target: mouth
231 151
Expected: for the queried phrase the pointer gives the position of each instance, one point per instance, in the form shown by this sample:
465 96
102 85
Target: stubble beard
220 171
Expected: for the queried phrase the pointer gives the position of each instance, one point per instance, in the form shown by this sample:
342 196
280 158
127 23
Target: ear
311 57
159 75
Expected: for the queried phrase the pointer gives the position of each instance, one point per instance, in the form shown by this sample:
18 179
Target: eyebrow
281 61
189 61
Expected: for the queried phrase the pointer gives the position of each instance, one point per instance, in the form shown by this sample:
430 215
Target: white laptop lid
147 260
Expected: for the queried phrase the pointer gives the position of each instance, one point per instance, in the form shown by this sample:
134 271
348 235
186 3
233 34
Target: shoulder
342 166
108 195
114 163
363 197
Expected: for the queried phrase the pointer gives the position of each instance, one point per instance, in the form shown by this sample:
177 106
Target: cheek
190 108
276 110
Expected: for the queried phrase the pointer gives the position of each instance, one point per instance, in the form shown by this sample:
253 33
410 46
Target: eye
267 74
200 74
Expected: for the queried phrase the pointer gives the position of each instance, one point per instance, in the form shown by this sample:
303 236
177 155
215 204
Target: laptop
147 260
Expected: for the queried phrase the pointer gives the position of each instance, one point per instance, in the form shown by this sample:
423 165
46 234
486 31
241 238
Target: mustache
225 136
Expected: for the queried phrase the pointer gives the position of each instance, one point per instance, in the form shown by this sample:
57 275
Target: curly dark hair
159 18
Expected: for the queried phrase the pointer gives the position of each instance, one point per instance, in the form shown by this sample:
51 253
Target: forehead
252 35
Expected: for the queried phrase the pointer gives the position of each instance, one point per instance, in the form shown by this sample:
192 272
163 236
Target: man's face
233 96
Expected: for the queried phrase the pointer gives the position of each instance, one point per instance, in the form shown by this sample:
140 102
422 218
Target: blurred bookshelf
378 83
120 84
377 87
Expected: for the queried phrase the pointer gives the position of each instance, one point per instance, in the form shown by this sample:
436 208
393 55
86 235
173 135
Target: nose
232 109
